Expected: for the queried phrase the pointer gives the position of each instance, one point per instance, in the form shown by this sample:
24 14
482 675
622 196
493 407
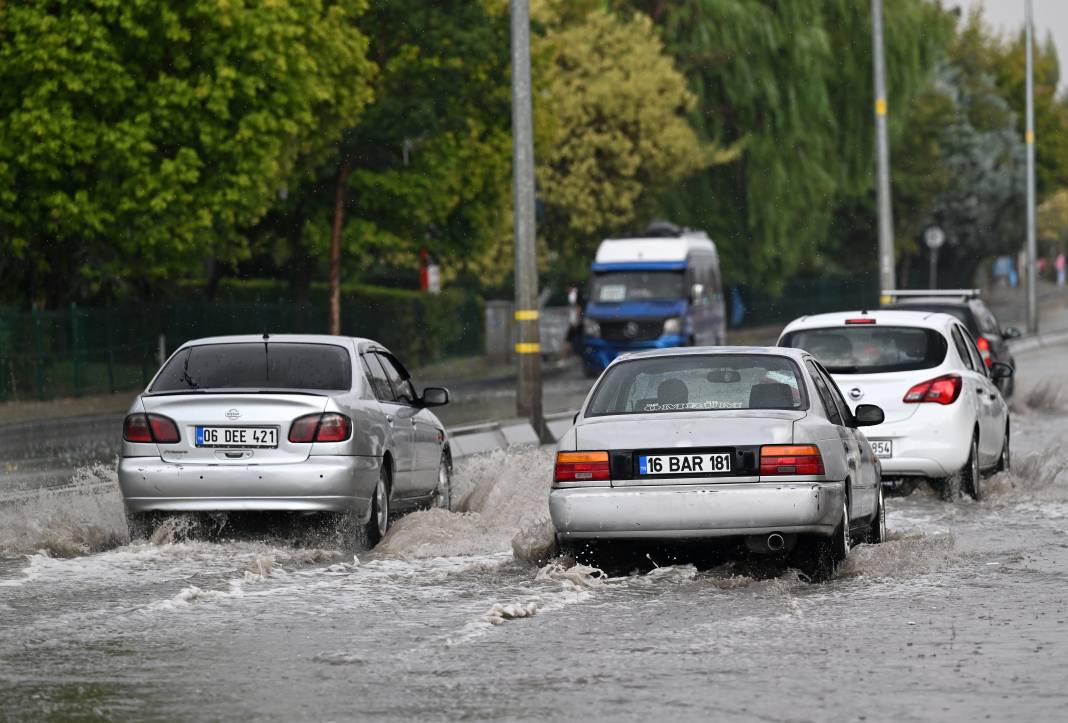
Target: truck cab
661 289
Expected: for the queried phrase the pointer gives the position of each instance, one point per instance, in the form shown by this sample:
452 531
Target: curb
491 436
1038 341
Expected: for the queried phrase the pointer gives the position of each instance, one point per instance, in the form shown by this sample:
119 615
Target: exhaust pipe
775 542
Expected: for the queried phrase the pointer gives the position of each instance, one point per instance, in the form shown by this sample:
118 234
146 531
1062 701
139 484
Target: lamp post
882 152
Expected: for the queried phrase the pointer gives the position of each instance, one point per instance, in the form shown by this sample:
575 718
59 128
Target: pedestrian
1059 265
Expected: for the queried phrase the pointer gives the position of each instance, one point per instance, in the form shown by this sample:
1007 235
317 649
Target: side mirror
435 397
697 294
1010 332
868 415
1000 370
574 420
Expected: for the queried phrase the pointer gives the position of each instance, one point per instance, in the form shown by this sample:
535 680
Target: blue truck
661 289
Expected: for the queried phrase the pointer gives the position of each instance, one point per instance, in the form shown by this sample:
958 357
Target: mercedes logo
630 330
232 414
855 393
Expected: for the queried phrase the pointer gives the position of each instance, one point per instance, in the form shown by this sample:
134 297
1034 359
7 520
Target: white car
945 418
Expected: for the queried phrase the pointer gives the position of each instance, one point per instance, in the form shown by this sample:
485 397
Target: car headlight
673 325
591 327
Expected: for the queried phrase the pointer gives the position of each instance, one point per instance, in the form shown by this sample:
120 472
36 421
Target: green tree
427 165
617 108
138 138
792 82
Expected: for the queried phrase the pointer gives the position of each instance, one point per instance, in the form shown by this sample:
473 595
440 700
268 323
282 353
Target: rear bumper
720 510
927 444
318 484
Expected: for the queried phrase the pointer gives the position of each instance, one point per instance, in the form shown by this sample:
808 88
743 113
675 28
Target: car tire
820 557
877 528
372 531
970 476
443 490
140 525
1005 460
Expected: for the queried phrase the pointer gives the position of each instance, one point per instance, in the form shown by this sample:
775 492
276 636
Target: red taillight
861 320
940 390
581 466
778 459
984 350
328 427
150 428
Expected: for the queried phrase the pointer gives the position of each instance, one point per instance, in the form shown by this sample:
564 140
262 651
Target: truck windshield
617 286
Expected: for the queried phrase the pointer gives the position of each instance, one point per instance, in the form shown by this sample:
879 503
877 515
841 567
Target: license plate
692 464
237 436
882 447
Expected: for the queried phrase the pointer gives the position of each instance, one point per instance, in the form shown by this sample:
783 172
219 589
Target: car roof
795 354
278 338
887 317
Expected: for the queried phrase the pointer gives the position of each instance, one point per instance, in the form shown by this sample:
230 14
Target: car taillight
328 427
861 320
581 466
790 459
940 390
984 350
150 428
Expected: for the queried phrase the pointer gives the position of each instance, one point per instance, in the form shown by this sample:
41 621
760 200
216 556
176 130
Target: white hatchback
945 418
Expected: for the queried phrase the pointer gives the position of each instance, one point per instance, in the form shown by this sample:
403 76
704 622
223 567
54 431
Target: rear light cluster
328 427
940 390
150 428
581 466
984 350
776 459
861 320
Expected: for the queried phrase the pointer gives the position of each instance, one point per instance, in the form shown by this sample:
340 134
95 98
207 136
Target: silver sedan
755 444
294 423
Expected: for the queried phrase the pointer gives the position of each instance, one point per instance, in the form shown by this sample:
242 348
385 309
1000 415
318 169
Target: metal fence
78 351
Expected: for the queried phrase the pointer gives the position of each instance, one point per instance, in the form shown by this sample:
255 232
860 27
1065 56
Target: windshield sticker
684 406
613 292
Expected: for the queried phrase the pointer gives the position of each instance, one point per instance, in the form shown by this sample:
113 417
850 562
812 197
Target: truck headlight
673 325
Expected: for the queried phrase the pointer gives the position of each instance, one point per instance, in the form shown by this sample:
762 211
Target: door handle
389 419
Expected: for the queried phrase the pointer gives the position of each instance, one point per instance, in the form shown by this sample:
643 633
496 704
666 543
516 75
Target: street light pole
882 152
1029 137
528 346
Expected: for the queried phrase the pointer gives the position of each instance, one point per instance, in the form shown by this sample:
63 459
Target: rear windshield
871 349
955 310
254 365
696 383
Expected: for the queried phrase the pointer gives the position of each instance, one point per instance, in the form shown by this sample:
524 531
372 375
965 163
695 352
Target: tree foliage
616 105
792 81
139 137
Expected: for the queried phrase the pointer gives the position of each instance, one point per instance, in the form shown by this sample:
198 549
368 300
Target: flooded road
962 615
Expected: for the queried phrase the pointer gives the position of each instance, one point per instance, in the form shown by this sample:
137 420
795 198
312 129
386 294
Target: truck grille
631 330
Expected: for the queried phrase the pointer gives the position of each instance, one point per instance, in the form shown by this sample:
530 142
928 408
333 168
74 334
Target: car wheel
443 492
375 527
877 528
971 479
819 557
1005 461
141 525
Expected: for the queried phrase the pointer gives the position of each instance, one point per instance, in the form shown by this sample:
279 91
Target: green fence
78 351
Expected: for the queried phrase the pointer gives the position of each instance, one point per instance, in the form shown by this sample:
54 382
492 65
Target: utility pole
528 345
882 152
1029 137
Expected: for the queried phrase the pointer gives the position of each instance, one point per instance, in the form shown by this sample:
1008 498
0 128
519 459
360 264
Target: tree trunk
335 249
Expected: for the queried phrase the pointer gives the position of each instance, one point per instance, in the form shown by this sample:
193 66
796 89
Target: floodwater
962 615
